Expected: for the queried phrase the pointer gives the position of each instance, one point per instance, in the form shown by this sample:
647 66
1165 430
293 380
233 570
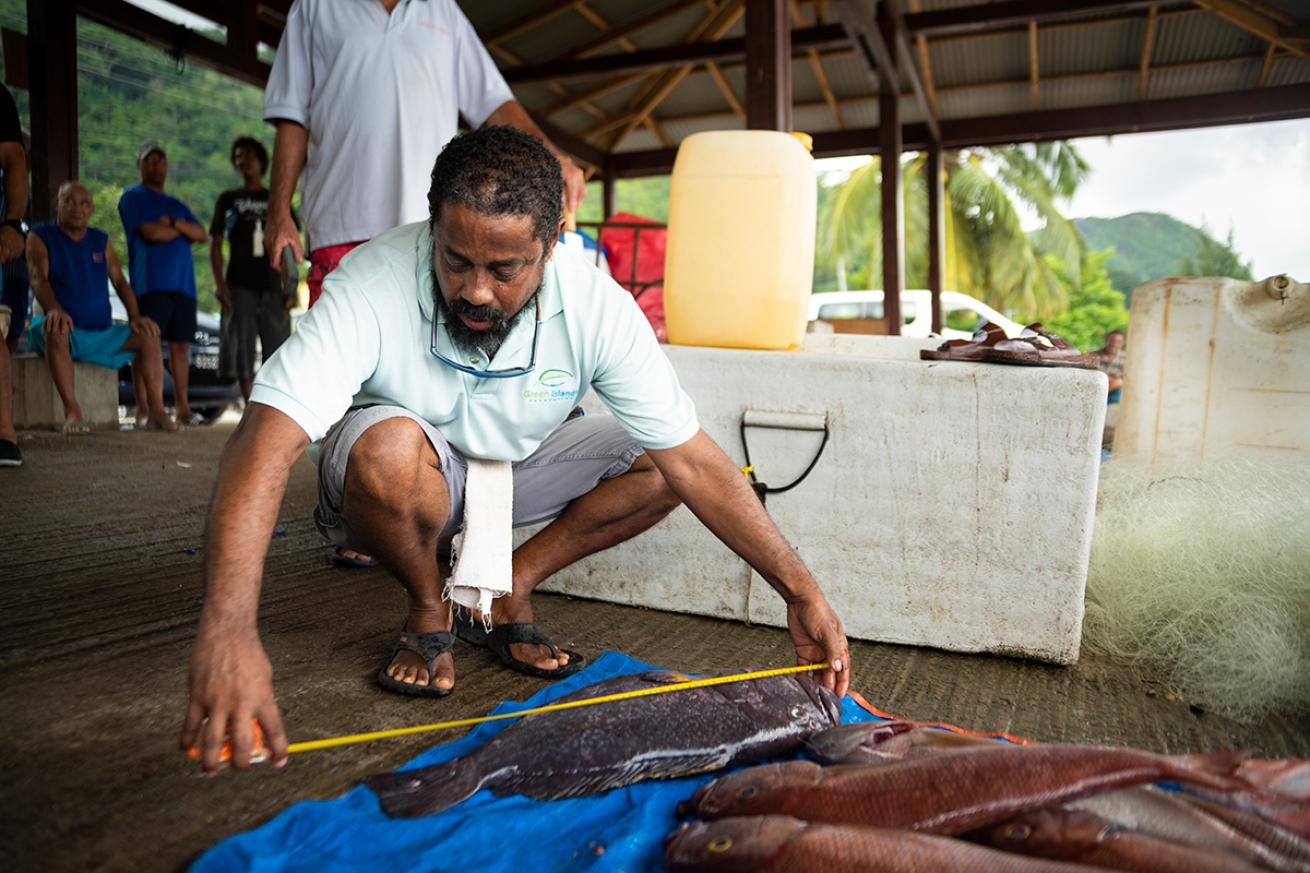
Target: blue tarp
619 830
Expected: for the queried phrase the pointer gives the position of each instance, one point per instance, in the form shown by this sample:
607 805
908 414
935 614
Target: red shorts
323 261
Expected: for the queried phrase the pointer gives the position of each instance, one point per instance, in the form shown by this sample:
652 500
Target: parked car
862 312
207 393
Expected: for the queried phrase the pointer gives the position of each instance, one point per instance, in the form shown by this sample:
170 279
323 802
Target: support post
52 75
768 65
936 230
607 186
889 156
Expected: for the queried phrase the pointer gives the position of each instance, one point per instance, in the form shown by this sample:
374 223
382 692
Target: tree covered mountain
1150 245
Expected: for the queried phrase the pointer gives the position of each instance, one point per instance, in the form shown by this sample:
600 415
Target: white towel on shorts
483 549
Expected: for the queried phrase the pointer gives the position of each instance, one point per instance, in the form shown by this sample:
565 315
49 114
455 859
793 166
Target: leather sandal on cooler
1038 347
429 647
976 349
502 636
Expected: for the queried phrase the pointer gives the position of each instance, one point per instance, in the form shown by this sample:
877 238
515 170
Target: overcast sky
1254 178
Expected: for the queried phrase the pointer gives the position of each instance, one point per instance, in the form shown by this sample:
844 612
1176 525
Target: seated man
71 265
468 336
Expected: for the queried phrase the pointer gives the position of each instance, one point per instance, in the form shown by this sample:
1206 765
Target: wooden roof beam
1265 65
1264 23
1237 107
174 39
532 19
628 30
878 54
713 26
1035 85
816 64
716 73
1147 42
925 61
694 52
1007 13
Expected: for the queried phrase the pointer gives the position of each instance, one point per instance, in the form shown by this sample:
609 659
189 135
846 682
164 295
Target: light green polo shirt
367 340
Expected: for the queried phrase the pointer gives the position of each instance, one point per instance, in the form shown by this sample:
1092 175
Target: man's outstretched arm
231 677
712 487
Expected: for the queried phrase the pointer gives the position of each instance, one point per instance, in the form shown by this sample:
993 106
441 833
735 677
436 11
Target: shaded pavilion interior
619 84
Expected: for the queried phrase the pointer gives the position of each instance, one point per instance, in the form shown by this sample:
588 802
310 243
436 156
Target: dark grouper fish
595 748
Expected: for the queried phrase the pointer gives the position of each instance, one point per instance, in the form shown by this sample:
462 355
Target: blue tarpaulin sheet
618 830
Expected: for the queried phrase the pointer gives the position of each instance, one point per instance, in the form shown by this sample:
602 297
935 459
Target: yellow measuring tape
328 743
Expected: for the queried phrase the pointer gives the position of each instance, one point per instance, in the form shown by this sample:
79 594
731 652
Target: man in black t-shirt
255 305
13 235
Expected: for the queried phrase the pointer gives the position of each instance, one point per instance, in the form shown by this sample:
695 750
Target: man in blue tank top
71 266
160 231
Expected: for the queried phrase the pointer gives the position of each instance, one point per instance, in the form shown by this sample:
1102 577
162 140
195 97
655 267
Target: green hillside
1149 245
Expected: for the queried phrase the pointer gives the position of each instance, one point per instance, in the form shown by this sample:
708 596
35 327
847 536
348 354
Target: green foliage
1095 307
1213 258
1151 245
988 254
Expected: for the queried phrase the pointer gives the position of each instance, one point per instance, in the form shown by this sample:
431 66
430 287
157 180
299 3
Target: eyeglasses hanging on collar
509 373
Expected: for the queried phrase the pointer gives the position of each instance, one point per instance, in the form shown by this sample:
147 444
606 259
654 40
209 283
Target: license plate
205 362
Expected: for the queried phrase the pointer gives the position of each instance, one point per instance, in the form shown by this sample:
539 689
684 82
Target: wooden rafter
713 26
608 87
606 40
921 46
1147 42
1266 23
532 19
1265 66
719 79
816 64
1010 83
628 46
1034 79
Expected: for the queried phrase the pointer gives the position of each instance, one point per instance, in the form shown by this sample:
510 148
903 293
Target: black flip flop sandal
502 636
429 647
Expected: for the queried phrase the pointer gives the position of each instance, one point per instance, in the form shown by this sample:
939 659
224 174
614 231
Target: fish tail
426 790
1216 770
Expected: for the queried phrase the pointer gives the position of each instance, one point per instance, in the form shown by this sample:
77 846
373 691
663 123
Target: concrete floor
99 597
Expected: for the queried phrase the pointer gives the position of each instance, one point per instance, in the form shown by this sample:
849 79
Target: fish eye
748 792
719 844
1018 832
797 712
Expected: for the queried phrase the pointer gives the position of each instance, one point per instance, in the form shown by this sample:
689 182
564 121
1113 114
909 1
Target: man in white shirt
470 335
363 94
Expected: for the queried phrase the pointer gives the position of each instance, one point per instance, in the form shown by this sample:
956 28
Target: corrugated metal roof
1289 71
982 59
1201 36
1111 45
1085 60
1212 79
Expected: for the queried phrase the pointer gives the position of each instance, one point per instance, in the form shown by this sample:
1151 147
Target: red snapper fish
949 794
781 844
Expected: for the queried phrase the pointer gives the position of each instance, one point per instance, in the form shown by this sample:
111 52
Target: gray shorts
573 460
254 314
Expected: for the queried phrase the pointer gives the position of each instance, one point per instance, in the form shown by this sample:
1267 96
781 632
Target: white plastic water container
1217 368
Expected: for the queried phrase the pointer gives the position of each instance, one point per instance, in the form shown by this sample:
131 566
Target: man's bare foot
408 667
162 422
508 610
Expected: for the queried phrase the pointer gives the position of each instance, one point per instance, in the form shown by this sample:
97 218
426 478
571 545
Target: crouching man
470 335
71 265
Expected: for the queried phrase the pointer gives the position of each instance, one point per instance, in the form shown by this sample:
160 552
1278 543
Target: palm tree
988 254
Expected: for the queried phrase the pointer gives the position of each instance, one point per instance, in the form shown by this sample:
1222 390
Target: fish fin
582 782
426 790
1216 770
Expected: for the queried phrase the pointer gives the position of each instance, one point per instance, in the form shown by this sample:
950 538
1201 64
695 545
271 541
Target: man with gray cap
160 231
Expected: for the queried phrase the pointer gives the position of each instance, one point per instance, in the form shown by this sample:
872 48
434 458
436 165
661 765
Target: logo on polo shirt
98 257
552 385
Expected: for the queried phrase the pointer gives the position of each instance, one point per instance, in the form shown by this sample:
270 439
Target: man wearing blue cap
160 232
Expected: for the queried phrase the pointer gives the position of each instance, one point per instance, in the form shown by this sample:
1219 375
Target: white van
862 312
